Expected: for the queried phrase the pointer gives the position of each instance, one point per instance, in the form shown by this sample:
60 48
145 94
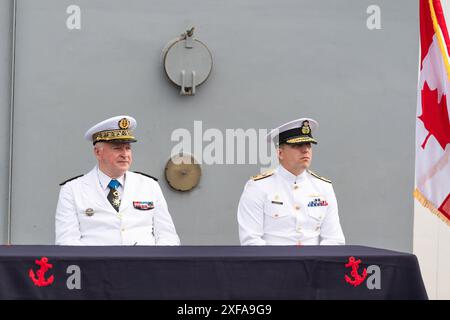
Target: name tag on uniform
143 205
276 199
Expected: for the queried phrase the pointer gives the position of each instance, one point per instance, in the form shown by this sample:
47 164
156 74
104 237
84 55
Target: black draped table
208 272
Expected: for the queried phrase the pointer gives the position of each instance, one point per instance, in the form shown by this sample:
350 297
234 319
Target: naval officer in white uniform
112 205
290 205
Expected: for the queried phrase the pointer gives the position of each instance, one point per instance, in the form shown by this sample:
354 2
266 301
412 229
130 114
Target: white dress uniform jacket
84 216
283 209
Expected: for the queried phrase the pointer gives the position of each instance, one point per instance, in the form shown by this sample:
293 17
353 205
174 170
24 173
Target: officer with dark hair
290 205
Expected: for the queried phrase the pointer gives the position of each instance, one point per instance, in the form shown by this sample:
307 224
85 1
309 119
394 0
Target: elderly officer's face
296 157
114 159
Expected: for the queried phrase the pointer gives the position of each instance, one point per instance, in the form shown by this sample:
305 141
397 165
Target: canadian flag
433 118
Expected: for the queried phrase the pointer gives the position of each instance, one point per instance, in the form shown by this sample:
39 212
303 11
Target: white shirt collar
288 176
105 179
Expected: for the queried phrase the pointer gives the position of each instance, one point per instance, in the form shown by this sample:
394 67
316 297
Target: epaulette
262 175
319 177
64 182
147 175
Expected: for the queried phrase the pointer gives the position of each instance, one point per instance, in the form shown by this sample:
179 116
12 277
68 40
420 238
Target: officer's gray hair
99 145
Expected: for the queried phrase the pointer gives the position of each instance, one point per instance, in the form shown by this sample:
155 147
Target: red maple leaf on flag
435 116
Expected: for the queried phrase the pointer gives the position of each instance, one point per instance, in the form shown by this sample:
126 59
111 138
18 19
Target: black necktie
113 195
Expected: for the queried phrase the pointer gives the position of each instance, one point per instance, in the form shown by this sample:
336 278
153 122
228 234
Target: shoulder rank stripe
262 175
68 180
147 175
319 177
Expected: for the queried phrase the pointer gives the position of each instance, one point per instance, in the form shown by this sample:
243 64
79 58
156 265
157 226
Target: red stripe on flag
426 29
441 21
426 26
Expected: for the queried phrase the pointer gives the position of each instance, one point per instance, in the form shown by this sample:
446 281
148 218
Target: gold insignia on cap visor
124 123
108 135
301 140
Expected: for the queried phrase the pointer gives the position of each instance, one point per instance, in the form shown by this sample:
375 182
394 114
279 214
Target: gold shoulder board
319 177
262 175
